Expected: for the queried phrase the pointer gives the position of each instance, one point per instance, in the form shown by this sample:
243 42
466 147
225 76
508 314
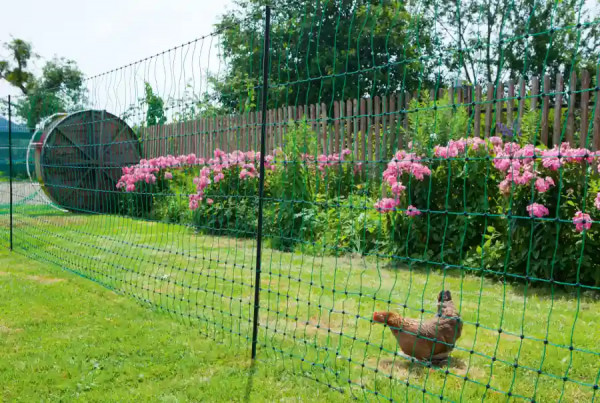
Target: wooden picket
383 122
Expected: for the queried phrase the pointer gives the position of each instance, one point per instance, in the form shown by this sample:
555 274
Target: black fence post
261 179
10 173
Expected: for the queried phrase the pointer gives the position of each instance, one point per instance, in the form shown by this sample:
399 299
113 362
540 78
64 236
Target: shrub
501 207
508 208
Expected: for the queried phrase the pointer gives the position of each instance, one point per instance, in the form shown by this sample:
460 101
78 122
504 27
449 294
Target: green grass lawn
315 320
64 338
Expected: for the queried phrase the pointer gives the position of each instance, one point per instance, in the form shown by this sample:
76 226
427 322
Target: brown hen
429 340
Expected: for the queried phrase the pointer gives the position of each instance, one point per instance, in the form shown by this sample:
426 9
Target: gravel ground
23 192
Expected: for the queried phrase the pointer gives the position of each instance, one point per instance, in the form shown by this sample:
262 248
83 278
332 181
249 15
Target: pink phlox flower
537 210
412 211
321 161
386 205
502 161
191 159
511 148
194 199
398 188
496 141
550 159
542 185
218 177
582 221
440 152
168 175
244 174
505 186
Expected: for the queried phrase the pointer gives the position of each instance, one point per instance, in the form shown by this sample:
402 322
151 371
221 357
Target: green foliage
294 186
58 89
432 126
473 27
233 209
548 249
148 201
155 114
348 225
14 70
351 36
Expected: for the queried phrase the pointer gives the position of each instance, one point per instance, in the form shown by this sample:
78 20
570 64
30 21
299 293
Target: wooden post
571 111
596 138
510 104
313 119
405 119
522 96
384 120
557 128
545 109
392 126
535 90
349 126
585 99
477 117
327 146
355 128
499 103
488 110
363 131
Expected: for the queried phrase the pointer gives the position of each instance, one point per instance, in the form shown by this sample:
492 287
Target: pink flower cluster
214 172
325 161
515 161
146 170
386 205
582 221
456 148
331 160
402 163
537 210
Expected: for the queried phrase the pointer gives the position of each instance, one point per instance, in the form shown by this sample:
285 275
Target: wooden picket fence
339 125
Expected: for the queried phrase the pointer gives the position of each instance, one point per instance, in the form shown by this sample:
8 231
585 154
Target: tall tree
323 51
59 88
487 41
14 70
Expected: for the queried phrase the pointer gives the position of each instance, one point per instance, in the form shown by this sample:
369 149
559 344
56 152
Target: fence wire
430 203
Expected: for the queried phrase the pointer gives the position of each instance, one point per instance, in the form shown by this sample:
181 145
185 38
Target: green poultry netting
399 200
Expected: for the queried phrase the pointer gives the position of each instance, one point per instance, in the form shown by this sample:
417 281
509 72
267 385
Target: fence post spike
261 179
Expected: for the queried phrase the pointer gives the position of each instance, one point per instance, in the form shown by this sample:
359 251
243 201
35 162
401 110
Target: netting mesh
427 224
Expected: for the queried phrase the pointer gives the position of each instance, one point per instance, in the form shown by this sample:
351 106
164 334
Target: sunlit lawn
63 338
315 311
